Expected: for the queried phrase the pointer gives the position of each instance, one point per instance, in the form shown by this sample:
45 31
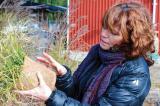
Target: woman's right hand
52 63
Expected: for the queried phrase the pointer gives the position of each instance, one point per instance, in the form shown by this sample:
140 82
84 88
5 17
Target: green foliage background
53 2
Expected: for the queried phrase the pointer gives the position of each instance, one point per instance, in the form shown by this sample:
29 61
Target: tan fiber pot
28 79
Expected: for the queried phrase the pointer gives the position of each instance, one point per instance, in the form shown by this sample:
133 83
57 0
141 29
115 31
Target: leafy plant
12 57
15 44
53 2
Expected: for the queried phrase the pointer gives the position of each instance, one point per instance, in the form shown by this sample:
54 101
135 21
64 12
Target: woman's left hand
40 93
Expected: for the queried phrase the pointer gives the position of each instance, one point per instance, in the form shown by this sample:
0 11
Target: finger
46 62
43 60
28 92
40 79
35 98
49 58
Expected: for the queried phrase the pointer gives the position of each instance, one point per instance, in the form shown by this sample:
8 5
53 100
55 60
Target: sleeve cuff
65 76
57 98
49 100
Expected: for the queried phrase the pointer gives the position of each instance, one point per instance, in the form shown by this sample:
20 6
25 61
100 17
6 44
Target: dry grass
14 45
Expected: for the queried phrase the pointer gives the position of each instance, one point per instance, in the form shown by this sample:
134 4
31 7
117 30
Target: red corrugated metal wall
85 19
158 20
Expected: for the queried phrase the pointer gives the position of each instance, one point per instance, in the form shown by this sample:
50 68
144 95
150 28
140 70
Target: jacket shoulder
138 65
135 77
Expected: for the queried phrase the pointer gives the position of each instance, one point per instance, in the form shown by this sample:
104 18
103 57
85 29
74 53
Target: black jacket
129 85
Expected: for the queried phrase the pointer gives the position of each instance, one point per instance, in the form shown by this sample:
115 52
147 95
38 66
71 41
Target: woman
115 71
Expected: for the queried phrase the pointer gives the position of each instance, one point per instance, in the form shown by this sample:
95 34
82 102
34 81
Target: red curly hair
134 23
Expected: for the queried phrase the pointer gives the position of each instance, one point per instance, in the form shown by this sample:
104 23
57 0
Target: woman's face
108 39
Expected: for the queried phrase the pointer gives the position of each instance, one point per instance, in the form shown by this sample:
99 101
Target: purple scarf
99 84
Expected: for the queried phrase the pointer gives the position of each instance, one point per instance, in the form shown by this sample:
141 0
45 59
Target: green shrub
12 57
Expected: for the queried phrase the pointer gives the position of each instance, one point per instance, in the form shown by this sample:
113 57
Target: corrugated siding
158 20
89 13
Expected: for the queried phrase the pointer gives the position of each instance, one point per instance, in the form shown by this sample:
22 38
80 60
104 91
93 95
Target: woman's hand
50 62
40 93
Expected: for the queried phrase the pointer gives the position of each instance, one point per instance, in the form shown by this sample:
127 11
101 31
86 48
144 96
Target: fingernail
37 57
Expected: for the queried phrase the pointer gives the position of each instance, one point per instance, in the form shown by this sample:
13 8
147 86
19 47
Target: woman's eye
114 34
